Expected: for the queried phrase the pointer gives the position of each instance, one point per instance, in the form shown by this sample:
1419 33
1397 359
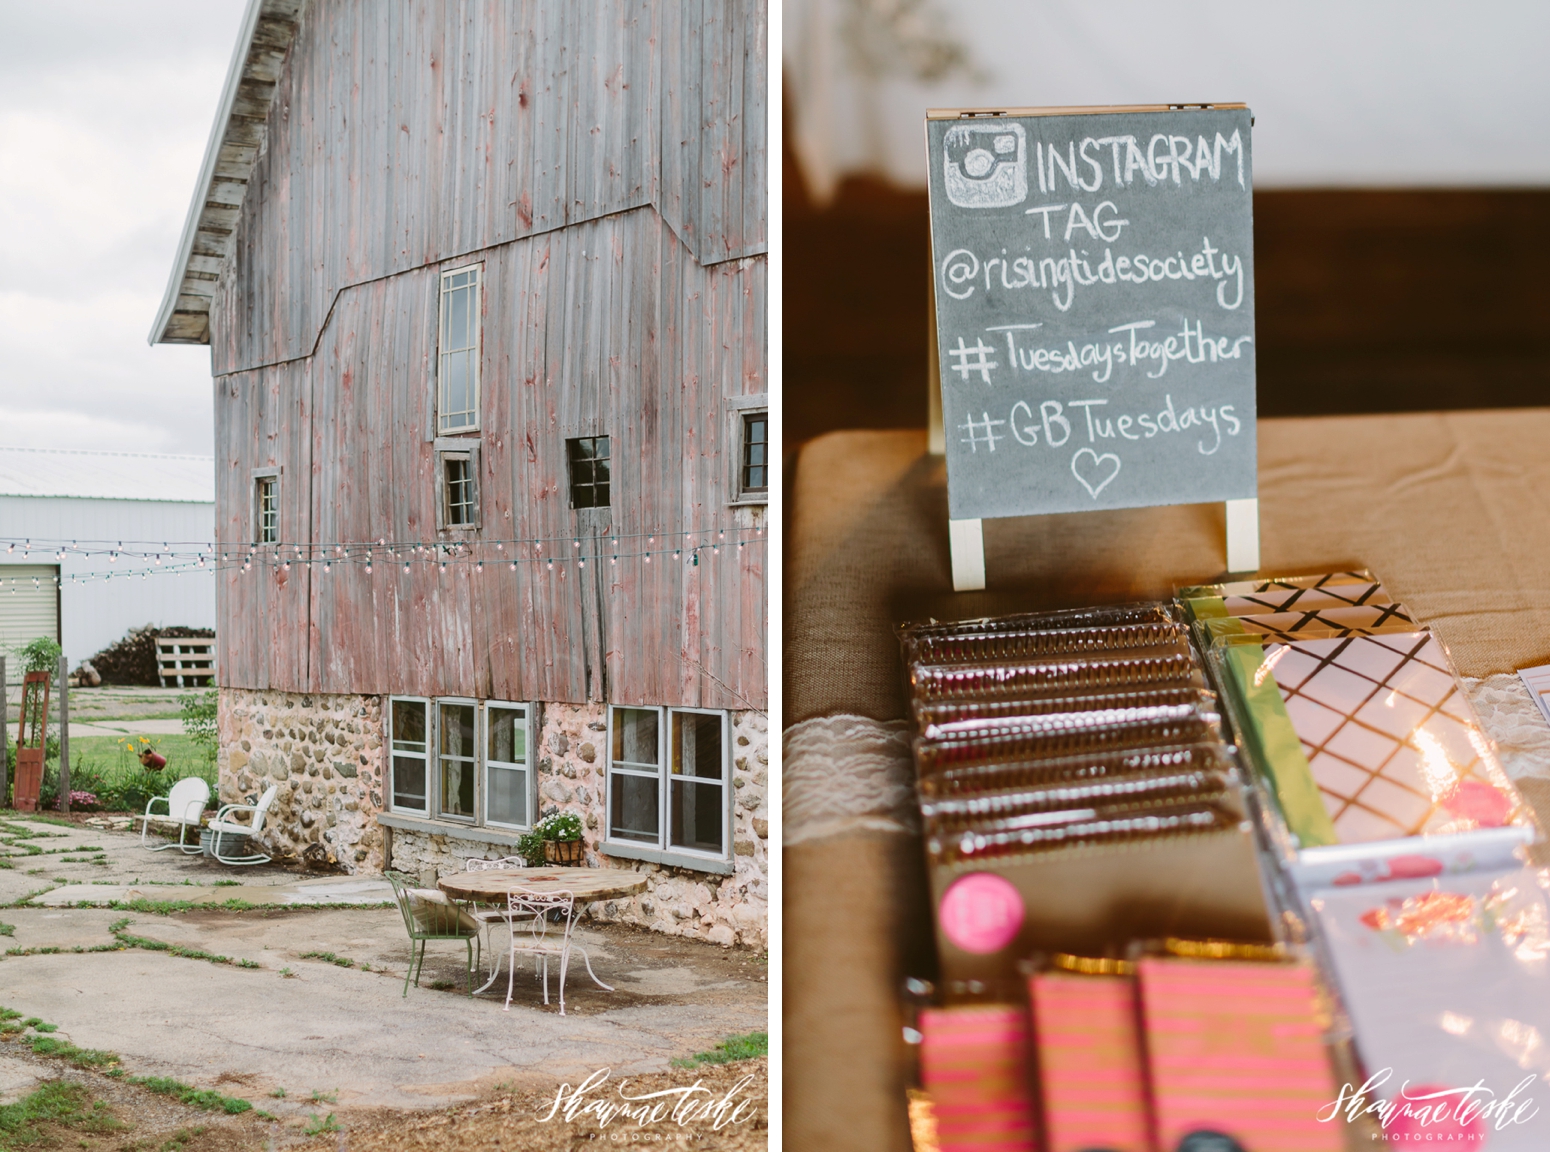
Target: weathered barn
484 287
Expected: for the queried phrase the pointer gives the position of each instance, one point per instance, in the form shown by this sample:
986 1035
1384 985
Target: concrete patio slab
345 891
351 1031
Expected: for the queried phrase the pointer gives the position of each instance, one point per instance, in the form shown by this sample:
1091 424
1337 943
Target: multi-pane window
506 767
266 504
408 721
455 758
461 760
755 470
635 776
457 364
458 490
588 458
696 800
667 779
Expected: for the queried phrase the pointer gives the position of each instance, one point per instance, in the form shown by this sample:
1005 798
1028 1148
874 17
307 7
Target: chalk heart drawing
1095 472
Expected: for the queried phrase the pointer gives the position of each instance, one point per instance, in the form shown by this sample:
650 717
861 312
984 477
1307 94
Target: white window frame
438 800
431 758
663 851
424 757
724 781
260 477
526 767
475 346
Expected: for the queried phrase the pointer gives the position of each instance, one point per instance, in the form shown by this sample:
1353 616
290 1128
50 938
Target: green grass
7 929
318 1127
61 1104
744 1047
205 1098
342 961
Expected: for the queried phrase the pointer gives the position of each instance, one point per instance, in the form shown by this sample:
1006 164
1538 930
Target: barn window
457 365
463 761
588 458
668 784
456 755
266 508
754 467
457 482
506 774
409 724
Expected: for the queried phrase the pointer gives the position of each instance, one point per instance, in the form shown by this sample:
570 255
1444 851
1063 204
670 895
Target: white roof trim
236 139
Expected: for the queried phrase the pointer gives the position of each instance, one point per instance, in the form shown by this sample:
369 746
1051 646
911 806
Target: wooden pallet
187 661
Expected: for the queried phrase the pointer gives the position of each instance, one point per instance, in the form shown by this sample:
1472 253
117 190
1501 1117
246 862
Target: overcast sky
105 108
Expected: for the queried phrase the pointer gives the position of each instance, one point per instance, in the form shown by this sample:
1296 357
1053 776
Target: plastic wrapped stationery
1077 790
1365 742
1179 852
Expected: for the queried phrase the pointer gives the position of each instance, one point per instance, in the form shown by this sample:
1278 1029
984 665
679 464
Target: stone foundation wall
325 755
325 752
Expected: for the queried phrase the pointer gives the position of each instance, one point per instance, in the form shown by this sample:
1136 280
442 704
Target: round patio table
585 884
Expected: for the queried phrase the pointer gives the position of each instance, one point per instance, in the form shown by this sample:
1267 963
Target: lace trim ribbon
844 774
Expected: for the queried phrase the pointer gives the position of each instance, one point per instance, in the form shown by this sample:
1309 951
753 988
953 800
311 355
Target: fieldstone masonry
325 753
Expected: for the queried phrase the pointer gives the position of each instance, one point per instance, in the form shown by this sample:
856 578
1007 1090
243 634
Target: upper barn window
457 362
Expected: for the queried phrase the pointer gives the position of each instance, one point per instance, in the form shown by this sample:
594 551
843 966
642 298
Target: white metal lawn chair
489 917
223 828
539 942
185 806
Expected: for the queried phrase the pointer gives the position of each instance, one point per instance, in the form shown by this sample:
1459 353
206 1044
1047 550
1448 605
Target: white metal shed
58 505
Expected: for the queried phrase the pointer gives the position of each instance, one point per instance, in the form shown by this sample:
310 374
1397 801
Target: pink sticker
981 912
1476 800
1413 867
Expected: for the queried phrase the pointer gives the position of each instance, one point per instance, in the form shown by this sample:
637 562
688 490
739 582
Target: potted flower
560 836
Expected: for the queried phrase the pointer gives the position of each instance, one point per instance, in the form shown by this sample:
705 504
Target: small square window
266 504
458 485
588 458
755 471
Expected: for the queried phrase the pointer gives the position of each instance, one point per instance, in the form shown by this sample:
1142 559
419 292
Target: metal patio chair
430 915
544 938
224 829
489 917
186 804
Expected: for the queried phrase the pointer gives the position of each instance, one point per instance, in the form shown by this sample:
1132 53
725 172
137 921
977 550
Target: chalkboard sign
1094 283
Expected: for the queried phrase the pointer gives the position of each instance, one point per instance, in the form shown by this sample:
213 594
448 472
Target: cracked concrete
337 1030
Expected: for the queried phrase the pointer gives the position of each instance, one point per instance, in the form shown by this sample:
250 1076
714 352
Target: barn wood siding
605 161
609 327
405 134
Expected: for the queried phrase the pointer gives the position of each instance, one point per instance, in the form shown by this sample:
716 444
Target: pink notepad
1234 1047
974 1064
1089 1052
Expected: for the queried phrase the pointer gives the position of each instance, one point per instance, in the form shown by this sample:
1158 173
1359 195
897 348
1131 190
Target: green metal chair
430 915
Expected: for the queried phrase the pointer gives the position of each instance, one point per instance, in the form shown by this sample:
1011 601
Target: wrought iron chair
535 909
430 915
185 806
489 917
223 829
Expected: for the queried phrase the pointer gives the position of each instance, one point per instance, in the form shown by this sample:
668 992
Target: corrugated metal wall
95 614
606 163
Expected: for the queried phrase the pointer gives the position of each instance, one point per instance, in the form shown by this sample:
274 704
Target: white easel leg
966 542
1243 535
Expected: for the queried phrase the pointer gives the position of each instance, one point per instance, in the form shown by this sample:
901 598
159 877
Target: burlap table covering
1451 510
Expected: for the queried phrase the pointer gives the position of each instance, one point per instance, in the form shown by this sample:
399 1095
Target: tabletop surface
584 883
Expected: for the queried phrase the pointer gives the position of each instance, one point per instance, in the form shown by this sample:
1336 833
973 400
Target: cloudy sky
105 108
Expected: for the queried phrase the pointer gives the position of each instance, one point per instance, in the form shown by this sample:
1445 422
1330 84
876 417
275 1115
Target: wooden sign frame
966 539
